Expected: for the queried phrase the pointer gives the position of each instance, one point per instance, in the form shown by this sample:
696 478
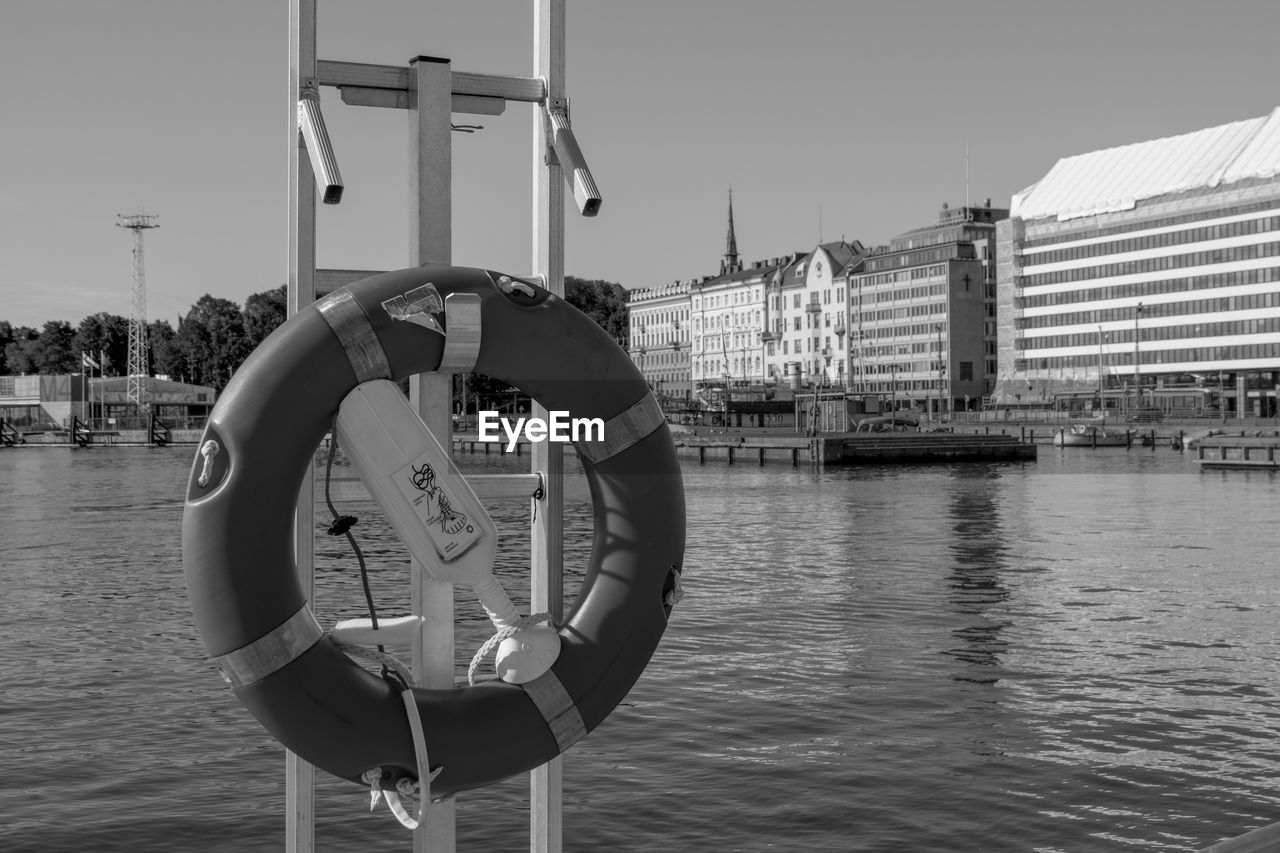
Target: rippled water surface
1076 654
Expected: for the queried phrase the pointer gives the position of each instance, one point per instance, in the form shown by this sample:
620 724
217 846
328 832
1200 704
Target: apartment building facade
922 321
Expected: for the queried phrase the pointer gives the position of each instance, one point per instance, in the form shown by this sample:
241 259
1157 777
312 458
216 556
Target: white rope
496 640
378 656
404 786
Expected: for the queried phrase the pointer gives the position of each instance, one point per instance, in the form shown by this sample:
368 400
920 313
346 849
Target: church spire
730 263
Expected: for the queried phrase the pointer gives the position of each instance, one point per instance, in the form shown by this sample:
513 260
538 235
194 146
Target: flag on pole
87 361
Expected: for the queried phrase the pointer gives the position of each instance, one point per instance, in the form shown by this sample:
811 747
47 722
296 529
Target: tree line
213 337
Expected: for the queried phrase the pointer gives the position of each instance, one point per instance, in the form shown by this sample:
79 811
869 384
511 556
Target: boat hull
1090 437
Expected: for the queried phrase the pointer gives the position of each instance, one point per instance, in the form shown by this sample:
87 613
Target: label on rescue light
450 529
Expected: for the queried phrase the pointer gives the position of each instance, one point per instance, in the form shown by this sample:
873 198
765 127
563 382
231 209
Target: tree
20 354
263 313
212 341
107 334
602 301
7 339
54 350
167 358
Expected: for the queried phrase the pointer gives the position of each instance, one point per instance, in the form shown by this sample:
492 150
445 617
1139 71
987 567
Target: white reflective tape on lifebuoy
462 333
623 430
272 651
348 321
557 708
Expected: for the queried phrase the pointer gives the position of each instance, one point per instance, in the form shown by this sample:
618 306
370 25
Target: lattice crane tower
137 223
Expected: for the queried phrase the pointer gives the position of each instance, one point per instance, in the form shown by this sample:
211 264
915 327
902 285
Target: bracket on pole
323 162
576 173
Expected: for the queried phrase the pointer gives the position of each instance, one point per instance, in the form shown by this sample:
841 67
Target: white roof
1118 178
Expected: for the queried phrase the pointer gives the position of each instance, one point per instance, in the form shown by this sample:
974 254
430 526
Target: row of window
1244 302
905 331
914 259
721 300
906 312
727 321
811 321
1155 358
1167 262
661 358
810 345
927 367
1261 275
1149 224
901 295
936 270
715 367
1256 326
641 318
1156 241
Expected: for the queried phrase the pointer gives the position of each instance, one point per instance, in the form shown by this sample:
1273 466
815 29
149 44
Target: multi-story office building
1154 265
659 337
922 313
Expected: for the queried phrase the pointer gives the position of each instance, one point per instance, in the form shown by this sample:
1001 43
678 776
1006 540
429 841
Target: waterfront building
1148 268
52 401
806 314
659 337
700 337
728 321
922 322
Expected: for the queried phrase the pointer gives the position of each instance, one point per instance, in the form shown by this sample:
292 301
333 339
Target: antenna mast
137 223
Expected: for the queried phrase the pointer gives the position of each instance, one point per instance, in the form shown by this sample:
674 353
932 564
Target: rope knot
496 640
341 524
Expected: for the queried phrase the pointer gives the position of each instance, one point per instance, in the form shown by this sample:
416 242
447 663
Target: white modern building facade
1149 266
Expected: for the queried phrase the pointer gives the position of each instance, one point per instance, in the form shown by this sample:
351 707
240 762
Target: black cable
342 525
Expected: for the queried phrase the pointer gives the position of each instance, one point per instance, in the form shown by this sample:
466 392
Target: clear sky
828 118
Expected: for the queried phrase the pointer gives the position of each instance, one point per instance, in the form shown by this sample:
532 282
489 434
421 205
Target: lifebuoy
238 550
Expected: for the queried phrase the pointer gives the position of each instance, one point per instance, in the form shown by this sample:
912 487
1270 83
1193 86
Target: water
1078 654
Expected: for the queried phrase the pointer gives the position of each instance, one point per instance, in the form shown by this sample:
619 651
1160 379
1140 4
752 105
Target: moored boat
1090 435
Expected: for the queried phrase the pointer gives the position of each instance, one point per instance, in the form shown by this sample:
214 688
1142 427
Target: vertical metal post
546 799
1137 358
300 775
431 242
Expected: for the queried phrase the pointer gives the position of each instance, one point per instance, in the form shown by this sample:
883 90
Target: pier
881 448
1255 450
828 449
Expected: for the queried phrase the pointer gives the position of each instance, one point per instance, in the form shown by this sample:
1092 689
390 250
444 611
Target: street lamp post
941 369
1137 364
